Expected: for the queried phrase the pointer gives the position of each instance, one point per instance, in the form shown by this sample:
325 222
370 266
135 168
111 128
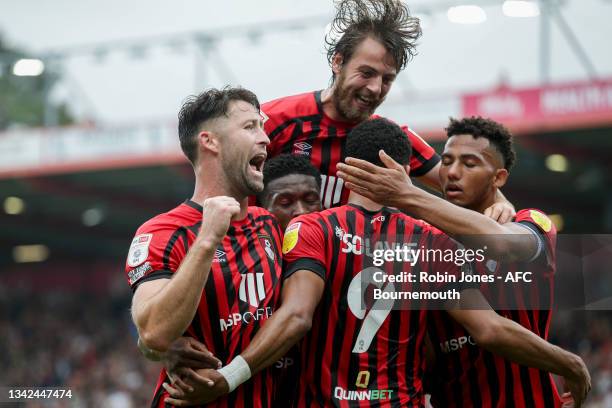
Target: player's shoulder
310 218
418 225
287 107
536 217
262 216
183 215
260 213
406 128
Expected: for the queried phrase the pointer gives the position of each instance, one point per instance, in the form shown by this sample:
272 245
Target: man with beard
370 42
359 350
291 188
475 163
211 267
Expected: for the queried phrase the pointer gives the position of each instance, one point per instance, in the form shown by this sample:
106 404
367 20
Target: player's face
468 171
362 82
244 148
292 195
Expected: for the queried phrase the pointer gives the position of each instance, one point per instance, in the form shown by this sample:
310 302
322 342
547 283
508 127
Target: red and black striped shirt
242 290
353 356
297 125
466 375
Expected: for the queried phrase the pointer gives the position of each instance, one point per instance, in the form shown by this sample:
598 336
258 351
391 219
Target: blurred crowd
86 343
82 342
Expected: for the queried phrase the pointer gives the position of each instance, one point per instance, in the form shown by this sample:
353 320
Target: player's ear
208 141
337 62
500 178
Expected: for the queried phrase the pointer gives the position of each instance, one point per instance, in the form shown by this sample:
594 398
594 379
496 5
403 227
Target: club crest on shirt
266 243
291 237
543 221
139 250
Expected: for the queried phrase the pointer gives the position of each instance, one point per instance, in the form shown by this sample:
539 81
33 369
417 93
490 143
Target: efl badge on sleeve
139 250
291 237
543 221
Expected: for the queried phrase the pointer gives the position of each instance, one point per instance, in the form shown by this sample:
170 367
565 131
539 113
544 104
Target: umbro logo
302 148
220 256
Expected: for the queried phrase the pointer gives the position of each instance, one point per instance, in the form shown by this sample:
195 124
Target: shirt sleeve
543 229
156 252
424 157
276 126
304 246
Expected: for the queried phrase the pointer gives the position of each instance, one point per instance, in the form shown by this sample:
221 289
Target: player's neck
207 187
364 202
484 204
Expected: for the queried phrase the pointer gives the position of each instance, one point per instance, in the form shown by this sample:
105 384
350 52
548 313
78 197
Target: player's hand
578 386
501 211
385 185
187 352
207 385
217 214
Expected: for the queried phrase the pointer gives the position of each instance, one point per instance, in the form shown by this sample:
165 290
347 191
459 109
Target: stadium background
88 150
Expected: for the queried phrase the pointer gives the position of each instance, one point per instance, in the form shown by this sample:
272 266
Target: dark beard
342 103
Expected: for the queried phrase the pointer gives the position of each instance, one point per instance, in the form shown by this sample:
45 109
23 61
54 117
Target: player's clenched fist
217 214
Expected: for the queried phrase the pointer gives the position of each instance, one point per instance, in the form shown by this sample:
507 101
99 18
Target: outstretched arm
512 341
391 186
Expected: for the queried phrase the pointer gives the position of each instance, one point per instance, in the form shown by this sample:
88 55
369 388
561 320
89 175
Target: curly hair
497 134
210 104
388 21
285 164
369 137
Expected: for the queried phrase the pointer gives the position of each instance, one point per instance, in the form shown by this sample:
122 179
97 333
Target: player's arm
301 294
512 341
505 242
162 309
391 186
290 322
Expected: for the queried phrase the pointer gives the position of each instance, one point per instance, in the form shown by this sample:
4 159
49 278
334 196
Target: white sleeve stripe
417 135
538 239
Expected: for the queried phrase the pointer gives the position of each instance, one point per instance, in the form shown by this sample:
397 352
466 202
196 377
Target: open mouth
257 162
366 102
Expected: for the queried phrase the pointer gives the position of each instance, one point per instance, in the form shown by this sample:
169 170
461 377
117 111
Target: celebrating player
370 42
475 163
211 266
375 353
292 187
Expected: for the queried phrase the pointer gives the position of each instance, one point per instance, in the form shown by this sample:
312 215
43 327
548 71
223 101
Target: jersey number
375 317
